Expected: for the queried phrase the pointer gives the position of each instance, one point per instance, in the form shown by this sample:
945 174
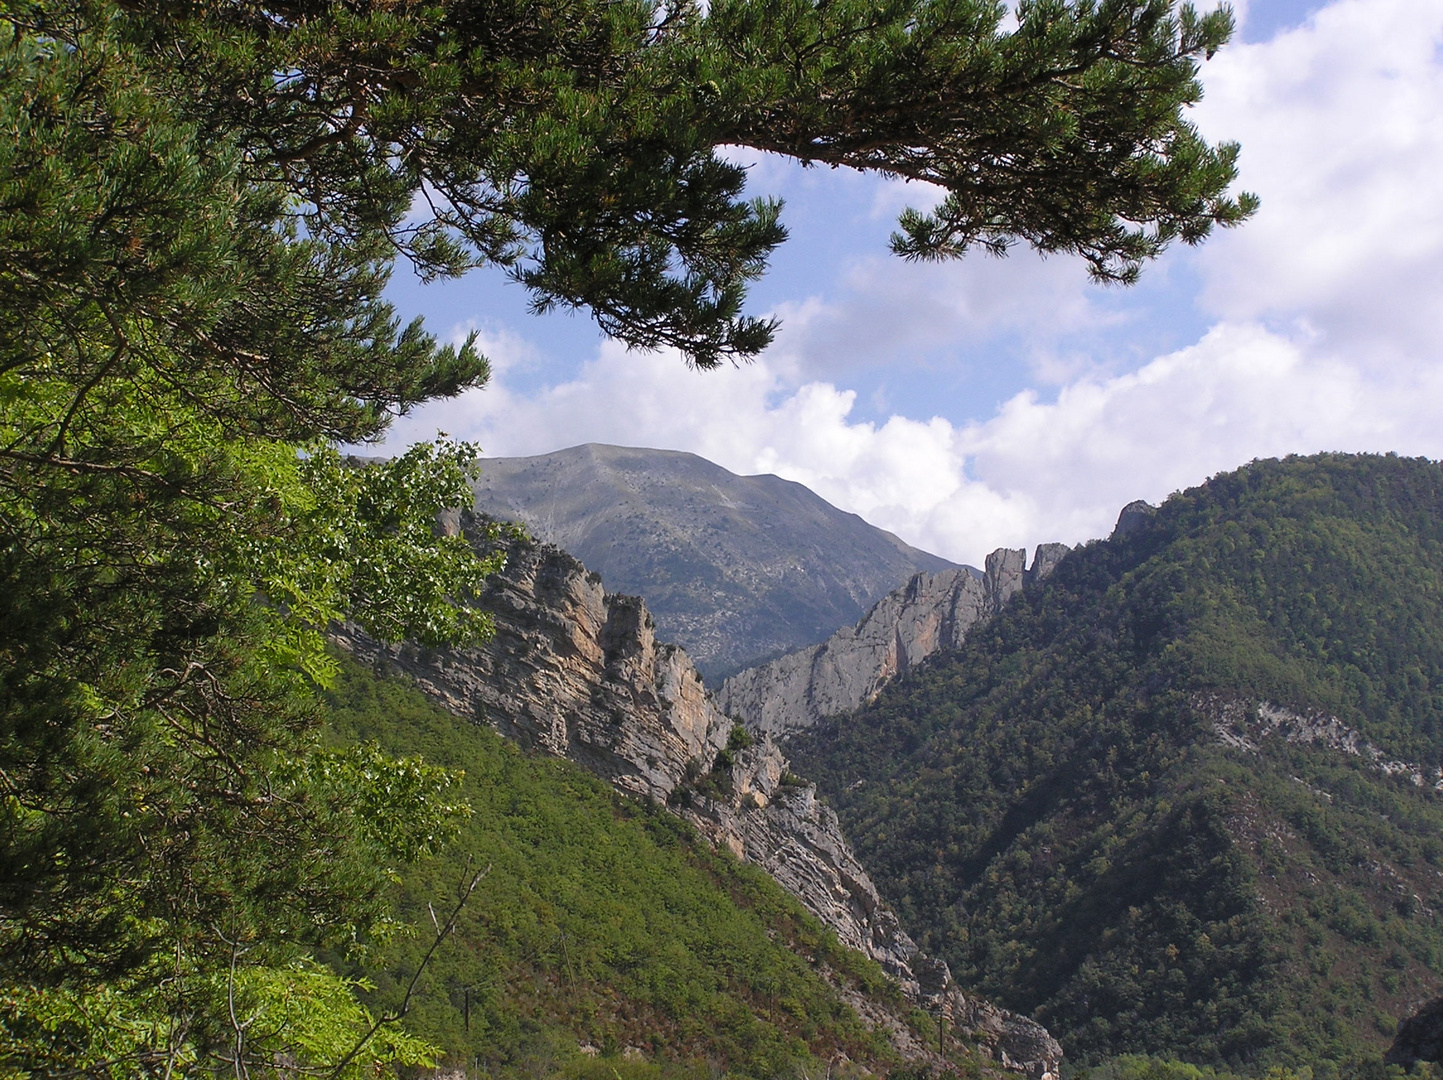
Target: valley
1182 799
1172 794
575 673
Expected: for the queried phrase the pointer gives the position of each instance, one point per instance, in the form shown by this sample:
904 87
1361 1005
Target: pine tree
201 207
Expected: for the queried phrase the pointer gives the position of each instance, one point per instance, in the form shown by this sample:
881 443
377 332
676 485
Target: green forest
201 206
1054 811
600 921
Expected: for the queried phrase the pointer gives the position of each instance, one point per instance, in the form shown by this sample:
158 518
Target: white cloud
1038 470
1342 137
890 311
895 195
1328 330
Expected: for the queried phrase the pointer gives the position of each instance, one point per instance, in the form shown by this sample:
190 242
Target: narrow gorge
575 672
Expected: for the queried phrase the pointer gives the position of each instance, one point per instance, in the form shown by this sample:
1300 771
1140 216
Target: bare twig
442 933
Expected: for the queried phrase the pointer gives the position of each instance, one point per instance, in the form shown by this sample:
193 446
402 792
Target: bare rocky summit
736 569
577 672
929 613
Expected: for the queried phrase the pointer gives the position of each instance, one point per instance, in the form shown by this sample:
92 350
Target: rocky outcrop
572 671
930 613
1133 518
1419 1038
1244 726
577 672
753 805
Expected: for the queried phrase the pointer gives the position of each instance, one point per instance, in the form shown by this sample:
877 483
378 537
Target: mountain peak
736 569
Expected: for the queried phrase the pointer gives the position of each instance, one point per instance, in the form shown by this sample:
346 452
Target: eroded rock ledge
575 672
930 613
1244 725
571 671
767 816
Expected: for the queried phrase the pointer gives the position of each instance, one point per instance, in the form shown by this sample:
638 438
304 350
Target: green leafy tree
200 205
574 142
1063 811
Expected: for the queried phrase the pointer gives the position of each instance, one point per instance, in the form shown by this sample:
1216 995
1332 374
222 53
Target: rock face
736 569
767 816
1244 725
572 671
931 612
756 807
1133 517
577 672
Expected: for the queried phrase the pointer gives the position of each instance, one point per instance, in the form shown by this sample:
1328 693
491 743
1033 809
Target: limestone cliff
576 672
929 613
735 569
767 816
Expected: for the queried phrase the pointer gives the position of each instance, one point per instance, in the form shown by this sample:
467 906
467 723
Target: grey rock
1133 517
736 569
1006 568
778 822
1044 561
931 612
1014 1042
1245 725
572 671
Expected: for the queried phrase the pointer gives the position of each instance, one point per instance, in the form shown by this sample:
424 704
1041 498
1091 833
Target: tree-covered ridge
1054 812
600 921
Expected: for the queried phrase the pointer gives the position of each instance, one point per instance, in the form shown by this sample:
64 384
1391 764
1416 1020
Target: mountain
1183 797
578 673
736 569
930 613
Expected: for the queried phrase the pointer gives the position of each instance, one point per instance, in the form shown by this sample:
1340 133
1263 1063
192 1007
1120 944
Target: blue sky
989 402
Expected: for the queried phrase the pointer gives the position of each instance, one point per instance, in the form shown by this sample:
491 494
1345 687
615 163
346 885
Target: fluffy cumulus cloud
888 311
1342 137
1325 330
1038 470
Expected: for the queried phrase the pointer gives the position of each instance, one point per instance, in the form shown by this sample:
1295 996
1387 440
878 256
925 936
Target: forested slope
603 922
1181 799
